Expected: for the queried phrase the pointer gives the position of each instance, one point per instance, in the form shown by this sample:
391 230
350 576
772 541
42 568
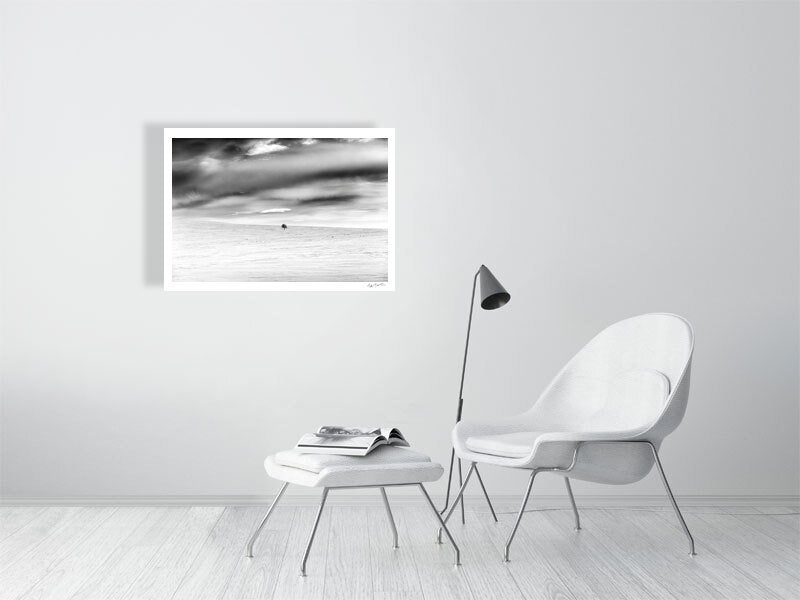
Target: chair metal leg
442 524
485 495
461 482
313 531
391 518
519 516
574 507
257 532
455 502
672 500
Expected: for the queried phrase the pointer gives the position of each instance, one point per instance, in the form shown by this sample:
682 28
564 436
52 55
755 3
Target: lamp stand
458 418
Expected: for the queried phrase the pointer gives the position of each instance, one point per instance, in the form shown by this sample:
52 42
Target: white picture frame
326 136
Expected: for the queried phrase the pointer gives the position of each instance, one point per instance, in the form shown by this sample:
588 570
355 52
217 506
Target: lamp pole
458 417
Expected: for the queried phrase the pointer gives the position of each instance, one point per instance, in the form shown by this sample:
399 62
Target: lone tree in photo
284 227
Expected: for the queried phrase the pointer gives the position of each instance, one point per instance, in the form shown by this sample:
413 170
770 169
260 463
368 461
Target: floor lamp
493 295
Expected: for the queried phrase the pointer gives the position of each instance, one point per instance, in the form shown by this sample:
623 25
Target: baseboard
365 499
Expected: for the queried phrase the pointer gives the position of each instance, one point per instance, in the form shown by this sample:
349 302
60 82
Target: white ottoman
383 467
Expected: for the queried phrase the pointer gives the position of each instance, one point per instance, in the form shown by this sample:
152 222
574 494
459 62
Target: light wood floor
159 553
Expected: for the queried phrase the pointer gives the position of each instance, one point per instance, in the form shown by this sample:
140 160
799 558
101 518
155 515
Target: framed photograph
279 209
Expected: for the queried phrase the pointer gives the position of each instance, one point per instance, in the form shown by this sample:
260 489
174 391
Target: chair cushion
509 445
383 455
633 400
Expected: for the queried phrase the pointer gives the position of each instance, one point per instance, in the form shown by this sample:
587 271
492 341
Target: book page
330 430
337 441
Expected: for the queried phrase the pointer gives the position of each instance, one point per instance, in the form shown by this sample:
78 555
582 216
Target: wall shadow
153 205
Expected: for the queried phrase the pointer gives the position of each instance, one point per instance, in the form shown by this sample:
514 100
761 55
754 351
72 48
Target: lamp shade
493 294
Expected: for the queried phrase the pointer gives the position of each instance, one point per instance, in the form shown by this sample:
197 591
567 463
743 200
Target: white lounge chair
601 419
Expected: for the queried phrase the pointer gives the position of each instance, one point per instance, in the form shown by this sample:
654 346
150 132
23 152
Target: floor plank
115 576
32 533
783 533
438 577
781 511
13 518
349 557
787 521
712 572
255 578
79 564
161 577
42 558
394 572
607 574
487 575
753 553
211 570
290 585
534 572
598 538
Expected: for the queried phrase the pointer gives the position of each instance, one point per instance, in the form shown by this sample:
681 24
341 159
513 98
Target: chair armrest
559 451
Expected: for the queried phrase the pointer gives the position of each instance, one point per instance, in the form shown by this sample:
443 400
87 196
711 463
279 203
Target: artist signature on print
374 285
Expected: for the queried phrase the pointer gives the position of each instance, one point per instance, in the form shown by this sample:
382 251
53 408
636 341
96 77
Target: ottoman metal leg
264 521
313 531
442 523
391 518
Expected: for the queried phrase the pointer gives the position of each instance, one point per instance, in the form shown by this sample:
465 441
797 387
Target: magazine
349 441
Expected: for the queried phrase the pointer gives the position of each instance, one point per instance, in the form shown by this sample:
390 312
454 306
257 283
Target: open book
349 441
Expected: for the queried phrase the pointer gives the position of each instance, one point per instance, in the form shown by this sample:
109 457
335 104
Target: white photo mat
213 230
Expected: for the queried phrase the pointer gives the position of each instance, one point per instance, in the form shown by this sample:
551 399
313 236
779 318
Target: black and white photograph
278 209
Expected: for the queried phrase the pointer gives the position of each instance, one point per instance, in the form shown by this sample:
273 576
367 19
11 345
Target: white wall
604 160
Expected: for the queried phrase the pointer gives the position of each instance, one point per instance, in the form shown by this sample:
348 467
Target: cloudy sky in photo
297 181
